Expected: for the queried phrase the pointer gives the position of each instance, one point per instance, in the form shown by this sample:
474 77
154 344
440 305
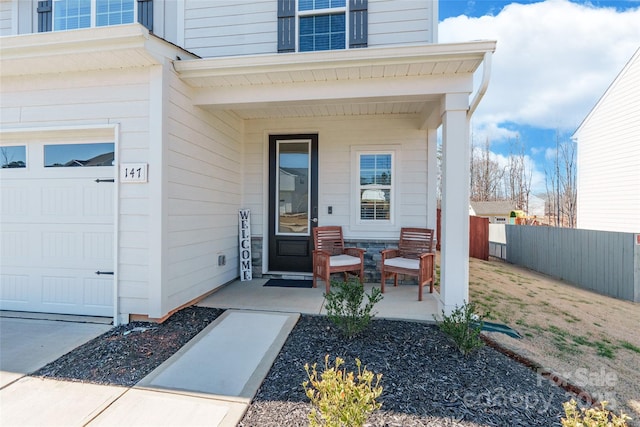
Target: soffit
372 81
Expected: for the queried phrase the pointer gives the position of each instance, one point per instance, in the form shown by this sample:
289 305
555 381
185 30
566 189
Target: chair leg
327 283
382 278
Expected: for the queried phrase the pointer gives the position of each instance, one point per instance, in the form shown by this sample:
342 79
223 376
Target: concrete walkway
210 381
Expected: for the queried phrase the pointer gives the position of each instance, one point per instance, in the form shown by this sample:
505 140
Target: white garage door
57 229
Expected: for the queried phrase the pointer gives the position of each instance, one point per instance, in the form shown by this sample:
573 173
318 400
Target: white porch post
432 177
454 263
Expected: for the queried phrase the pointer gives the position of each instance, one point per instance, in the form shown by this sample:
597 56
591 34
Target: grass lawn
590 340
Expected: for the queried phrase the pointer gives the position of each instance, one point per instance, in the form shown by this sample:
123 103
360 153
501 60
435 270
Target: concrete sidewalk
210 381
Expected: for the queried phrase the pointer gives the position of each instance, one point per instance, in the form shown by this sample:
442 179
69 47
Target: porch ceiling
372 81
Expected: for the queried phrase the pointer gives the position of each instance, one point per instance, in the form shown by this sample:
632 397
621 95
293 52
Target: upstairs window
60 15
322 25
315 25
74 14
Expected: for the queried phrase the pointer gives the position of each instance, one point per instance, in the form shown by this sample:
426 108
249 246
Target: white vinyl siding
336 138
244 27
400 22
6 11
609 158
230 27
202 198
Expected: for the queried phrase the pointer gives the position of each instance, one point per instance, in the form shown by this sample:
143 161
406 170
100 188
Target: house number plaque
133 172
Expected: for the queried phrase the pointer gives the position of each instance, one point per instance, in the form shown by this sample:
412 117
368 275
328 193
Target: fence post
636 269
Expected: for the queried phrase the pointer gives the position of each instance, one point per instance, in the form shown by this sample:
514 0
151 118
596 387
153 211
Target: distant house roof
502 208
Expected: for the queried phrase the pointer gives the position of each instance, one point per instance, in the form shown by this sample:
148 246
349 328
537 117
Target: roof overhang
389 80
114 47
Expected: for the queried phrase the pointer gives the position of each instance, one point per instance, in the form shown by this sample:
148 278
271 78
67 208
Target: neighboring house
608 157
497 211
202 103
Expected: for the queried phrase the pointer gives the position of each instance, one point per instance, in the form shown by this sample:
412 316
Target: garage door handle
104 180
104 272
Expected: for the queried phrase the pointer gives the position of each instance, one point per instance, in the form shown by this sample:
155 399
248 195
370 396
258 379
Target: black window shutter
45 15
358 23
286 25
145 13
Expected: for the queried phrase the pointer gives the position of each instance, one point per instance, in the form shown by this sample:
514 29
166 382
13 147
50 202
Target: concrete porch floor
398 302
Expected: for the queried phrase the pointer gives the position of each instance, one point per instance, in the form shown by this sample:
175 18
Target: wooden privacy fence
600 261
478 236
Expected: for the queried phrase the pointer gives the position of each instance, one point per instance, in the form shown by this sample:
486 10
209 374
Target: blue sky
554 60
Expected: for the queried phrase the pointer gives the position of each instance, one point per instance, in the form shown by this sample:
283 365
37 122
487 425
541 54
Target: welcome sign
244 236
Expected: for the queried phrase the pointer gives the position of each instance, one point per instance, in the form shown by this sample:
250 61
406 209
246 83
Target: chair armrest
390 253
321 253
357 252
427 254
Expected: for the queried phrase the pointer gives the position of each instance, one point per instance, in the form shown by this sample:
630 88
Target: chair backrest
415 241
328 238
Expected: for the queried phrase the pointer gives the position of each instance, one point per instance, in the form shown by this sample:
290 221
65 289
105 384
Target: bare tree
561 184
486 174
518 177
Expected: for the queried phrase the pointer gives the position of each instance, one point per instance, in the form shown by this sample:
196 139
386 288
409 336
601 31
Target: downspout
486 75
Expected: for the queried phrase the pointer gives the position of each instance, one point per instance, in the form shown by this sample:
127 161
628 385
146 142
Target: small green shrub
592 417
463 326
345 306
341 399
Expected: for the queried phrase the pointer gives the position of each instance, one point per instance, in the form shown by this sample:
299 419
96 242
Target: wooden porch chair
330 255
414 256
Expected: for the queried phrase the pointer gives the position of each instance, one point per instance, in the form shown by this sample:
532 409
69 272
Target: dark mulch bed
128 353
426 381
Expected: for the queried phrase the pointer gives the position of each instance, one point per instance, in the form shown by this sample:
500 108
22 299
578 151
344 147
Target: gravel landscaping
426 381
126 354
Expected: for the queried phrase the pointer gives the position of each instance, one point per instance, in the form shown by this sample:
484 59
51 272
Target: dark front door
293 201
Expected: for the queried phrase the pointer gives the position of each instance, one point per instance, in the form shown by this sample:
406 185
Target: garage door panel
57 291
57 231
14 244
98 200
14 201
98 292
14 288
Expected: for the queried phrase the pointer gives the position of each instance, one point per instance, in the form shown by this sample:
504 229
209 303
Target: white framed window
374 189
13 157
322 25
74 14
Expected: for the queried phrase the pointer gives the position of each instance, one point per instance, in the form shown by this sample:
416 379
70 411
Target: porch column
432 177
454 262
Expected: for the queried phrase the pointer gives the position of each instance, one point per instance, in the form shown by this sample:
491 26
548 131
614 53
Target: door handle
314 220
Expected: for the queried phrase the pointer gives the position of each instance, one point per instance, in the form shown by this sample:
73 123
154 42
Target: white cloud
550 154
483 130
553 61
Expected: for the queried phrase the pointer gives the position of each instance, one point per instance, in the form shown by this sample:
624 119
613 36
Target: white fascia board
53 50
238 65
73 41
400 89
